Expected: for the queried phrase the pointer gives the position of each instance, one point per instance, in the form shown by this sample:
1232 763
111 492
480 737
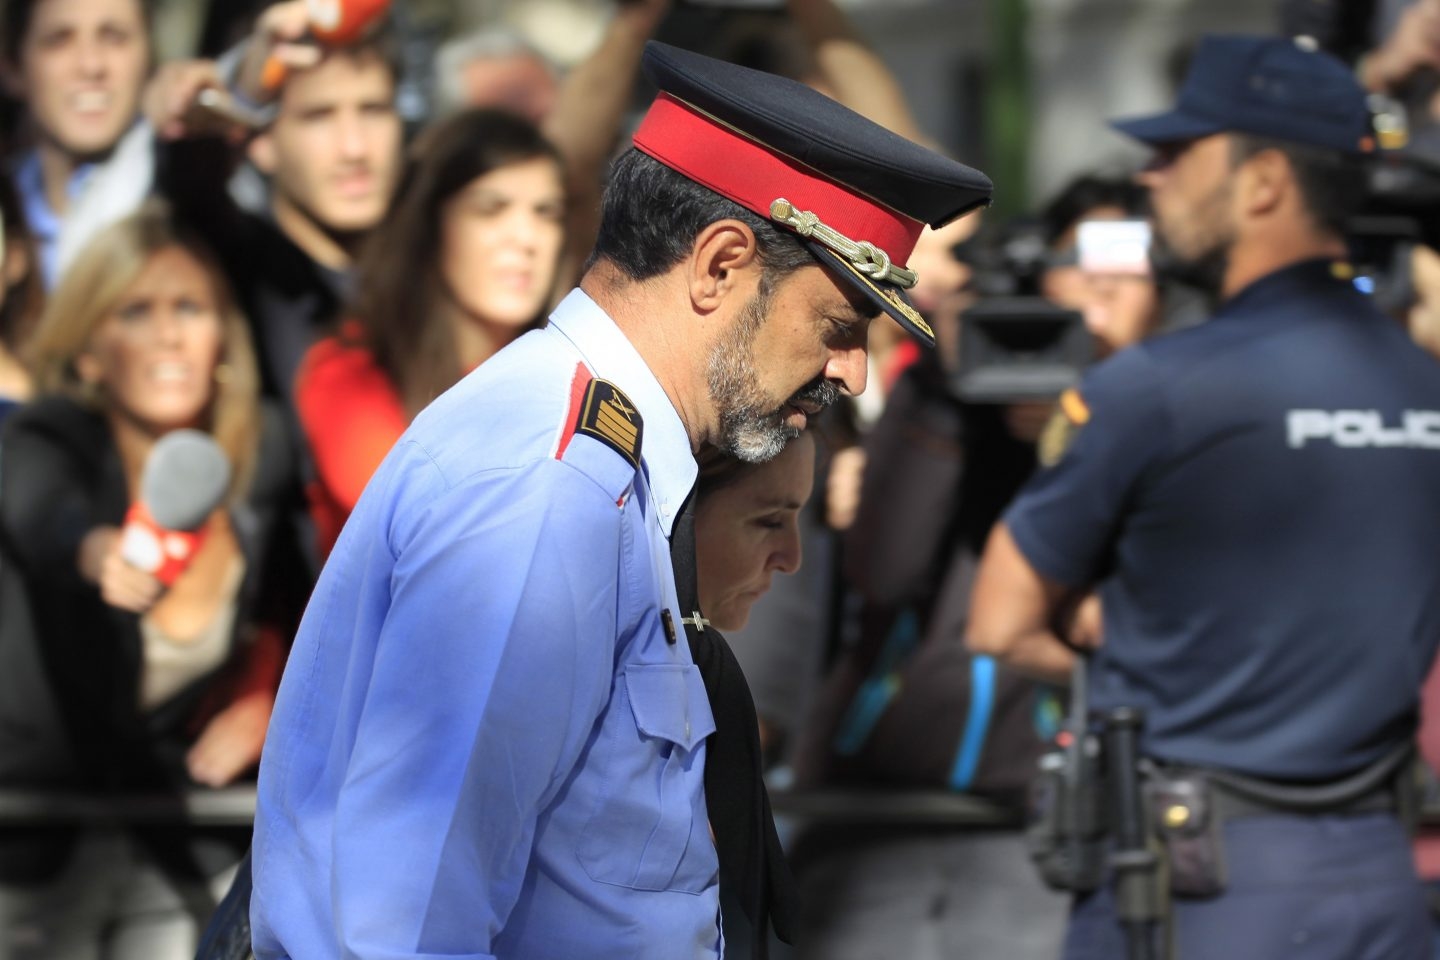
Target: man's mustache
819 392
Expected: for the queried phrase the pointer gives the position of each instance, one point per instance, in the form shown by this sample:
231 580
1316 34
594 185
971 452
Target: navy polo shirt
1258 500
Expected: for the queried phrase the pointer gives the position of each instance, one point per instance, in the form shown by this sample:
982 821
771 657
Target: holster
1068 829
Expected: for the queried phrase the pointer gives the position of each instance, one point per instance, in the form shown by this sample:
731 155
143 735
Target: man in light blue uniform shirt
491 740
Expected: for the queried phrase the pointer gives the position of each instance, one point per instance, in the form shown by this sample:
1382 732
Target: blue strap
878 689
977 725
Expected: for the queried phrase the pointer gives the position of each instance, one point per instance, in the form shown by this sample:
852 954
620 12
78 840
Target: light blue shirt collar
44 224
665 447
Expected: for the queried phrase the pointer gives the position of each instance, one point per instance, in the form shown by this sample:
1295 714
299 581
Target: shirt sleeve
494 661
1066 518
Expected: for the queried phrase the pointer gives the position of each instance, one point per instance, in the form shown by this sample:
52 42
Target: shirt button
687 729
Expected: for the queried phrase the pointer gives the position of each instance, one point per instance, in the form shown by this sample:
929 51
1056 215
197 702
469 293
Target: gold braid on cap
863 255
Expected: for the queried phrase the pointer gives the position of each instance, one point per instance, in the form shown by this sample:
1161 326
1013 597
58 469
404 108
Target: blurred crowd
259 248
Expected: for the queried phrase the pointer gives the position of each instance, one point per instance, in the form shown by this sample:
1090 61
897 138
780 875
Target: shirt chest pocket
649 831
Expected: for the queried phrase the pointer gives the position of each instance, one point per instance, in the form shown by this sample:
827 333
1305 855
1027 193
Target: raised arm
587 118
854 72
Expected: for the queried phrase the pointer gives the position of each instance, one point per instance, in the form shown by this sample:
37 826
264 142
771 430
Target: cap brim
1170 127
888 297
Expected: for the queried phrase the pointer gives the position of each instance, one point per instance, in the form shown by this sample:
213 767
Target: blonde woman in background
154 690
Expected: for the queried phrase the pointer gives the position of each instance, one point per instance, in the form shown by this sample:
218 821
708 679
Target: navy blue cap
858 194
1269 86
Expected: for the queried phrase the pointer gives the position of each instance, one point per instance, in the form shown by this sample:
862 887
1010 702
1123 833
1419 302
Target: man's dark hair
19 14
1332 184
651 214
1086 194
381 42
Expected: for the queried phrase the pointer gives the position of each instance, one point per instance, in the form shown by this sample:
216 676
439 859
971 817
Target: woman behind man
464 262
747 527
155 689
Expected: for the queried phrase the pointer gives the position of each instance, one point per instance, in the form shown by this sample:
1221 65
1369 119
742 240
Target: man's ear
722 260
1262 183
261 152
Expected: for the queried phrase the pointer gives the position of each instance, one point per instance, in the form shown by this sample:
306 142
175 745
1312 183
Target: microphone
185 479
333 23
338 22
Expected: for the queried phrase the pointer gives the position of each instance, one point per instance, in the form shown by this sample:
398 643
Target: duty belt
1380 787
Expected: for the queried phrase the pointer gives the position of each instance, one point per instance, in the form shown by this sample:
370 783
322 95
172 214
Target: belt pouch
1183 809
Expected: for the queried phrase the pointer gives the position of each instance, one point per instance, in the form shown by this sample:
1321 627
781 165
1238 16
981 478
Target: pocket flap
669 702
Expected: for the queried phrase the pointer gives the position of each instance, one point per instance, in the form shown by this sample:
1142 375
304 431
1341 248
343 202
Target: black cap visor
888 297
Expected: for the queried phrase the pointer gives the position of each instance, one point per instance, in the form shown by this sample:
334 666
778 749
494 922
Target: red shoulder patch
579 384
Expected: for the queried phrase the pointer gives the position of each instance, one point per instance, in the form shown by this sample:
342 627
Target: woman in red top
464 262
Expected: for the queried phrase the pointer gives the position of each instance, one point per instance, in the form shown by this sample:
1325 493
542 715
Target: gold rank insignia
609 416
1070 415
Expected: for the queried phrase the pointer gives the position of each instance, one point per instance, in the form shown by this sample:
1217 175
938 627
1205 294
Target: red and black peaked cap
858 194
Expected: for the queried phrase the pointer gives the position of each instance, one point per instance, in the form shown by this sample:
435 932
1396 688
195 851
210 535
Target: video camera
1402 210
1015 345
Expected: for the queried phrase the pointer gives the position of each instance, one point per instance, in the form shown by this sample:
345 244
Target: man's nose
91 57
850 366
354 142
1150 175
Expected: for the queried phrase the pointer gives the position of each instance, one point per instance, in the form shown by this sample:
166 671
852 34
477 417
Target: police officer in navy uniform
1256 501
499 712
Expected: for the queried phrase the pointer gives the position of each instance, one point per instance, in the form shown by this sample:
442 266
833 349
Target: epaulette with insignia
608 415
600 411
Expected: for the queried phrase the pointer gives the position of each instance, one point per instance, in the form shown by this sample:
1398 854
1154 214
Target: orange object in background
333 23
338 22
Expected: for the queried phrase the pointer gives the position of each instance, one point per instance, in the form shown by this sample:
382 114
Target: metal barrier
235 807
228 807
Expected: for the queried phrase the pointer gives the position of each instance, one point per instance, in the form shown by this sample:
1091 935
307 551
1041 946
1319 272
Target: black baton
1135 865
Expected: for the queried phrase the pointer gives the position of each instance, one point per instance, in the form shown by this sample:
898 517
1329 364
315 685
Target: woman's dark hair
719 468
26 299
1086 193
650 216
401 288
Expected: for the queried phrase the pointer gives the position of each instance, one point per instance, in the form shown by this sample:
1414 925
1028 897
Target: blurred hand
277 44
1413 45
1026 420
842 487
169 101
121 585
1083 626
230 743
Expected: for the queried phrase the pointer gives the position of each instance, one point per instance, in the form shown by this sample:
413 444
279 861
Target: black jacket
70 717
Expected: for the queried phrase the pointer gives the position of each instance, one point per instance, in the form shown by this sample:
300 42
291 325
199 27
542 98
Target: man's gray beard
748 430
